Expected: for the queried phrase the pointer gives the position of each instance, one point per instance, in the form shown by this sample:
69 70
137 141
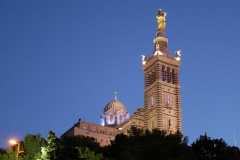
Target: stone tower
162 107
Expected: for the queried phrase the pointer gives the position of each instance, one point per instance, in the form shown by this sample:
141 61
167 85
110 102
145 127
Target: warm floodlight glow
13 141
120 128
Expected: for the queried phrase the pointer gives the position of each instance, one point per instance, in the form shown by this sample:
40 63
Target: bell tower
162 107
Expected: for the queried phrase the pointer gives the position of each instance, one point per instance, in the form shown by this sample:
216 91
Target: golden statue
161 20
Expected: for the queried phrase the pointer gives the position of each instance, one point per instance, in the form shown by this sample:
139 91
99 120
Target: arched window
173 76
152 101
152 77
167 75
111 119
163 73
169 99
120 119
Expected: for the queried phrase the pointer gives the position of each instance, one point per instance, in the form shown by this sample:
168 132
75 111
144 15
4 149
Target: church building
162 107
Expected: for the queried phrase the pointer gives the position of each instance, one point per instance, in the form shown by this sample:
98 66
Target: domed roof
115 105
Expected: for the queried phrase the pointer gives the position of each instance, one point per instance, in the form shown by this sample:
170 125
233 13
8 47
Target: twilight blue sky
53 53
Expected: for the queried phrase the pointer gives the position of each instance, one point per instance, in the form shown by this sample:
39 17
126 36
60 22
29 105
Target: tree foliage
2 151
137 144
53 151
9 154
86 154
144 144
32 146
81 141
70 148
214 149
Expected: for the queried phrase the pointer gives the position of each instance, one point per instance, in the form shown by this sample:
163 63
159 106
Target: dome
115 105
114 113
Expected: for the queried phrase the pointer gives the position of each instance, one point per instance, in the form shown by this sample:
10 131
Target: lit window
152 100
120 119
169 100
111 119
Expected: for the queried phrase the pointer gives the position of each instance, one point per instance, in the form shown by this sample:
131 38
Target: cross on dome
115 95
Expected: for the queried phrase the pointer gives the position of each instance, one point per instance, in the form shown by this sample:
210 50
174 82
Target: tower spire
161 83
161 42
115 95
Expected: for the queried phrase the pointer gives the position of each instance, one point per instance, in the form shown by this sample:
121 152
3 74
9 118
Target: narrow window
170 76
173 77
163 73
151 78
154 76
169 122
111 119
152 100
120 119
169 100
167 75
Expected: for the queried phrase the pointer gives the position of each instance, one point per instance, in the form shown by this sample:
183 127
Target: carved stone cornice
162 82
166 60
157 39
170 84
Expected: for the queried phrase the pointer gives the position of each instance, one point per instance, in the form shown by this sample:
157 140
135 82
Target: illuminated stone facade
162 107
102 134
114 113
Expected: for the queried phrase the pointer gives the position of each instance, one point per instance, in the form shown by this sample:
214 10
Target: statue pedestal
160 34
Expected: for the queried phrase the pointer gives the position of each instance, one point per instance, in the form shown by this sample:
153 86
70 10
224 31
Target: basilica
162 107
